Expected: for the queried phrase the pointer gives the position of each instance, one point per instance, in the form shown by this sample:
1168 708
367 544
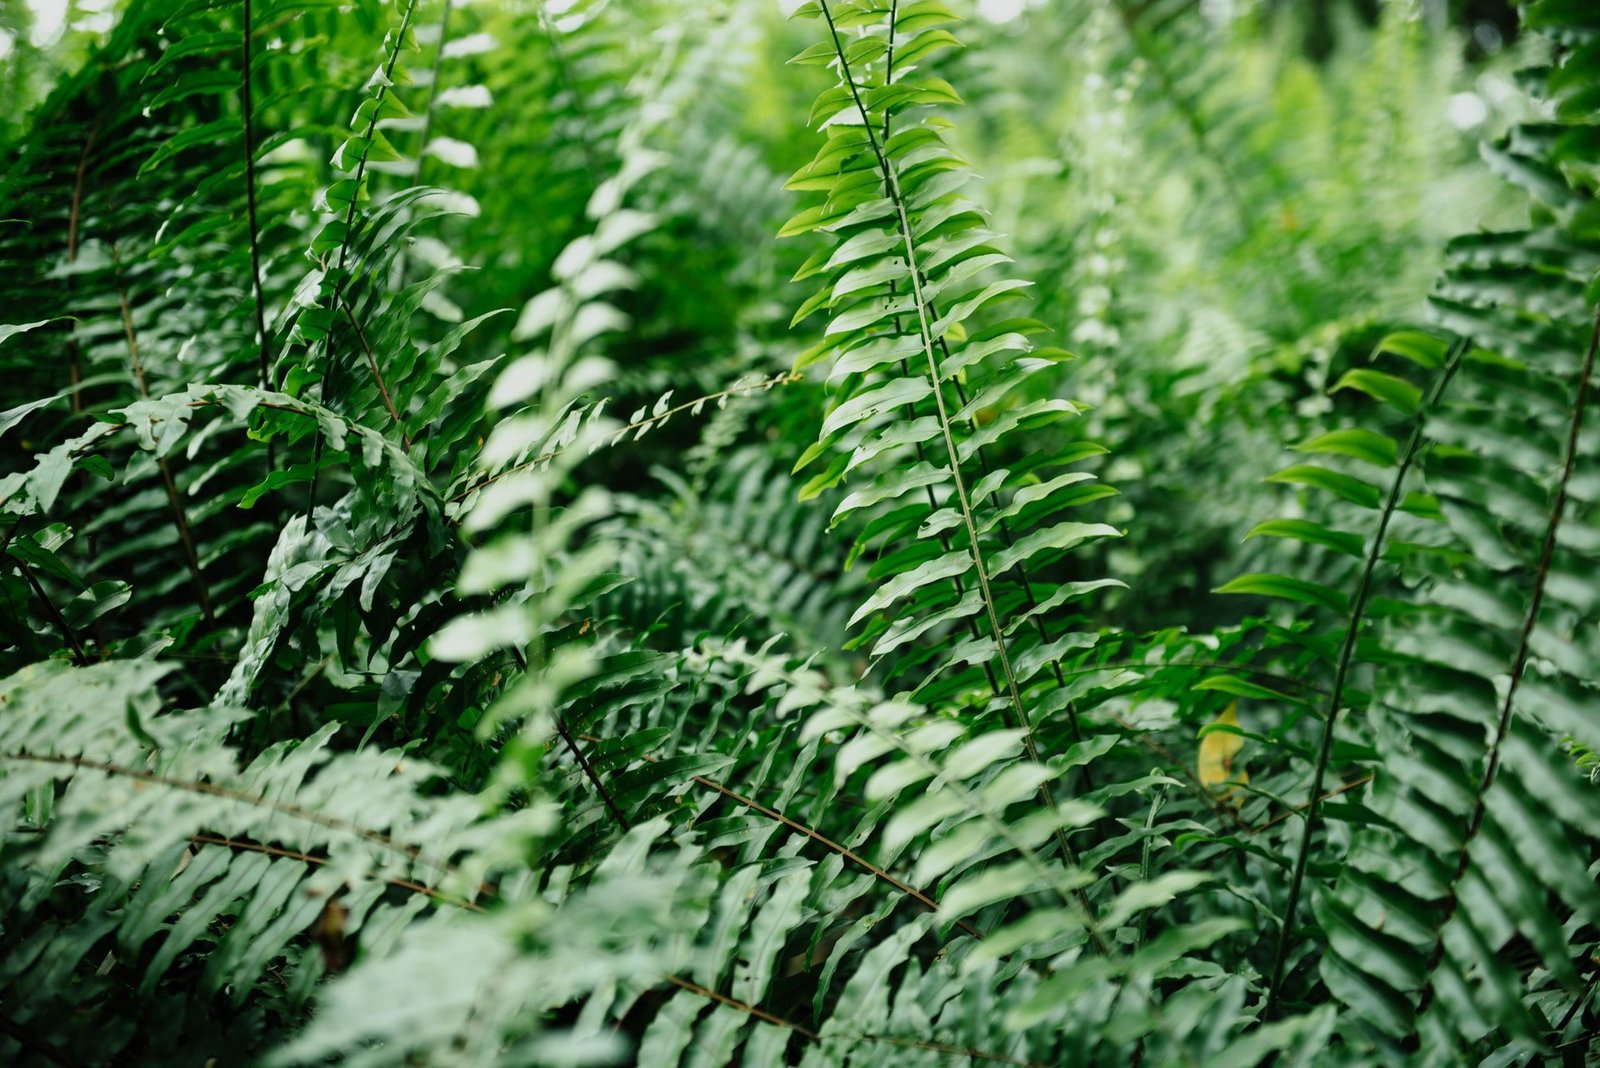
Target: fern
415 648
1463 703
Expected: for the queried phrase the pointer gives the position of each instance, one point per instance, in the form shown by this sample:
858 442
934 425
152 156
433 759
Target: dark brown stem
577 754
377 374
349 231
213 790
855 858
79 655
243 846
1335 792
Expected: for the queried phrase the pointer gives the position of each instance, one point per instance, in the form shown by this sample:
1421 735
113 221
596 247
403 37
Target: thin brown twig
383 839
1519 664
78 652
587 768
377 374
818 837
214 790
1280 817
244 846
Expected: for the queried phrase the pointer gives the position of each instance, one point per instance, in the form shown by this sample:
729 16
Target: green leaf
1304 530
1337 482
1288 588
1367 446
1396 392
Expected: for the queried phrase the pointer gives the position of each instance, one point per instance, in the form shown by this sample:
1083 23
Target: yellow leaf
1217 752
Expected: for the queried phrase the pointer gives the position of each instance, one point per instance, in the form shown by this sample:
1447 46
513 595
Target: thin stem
1335 792
782 378
243 846
577 754
945 544
247 107
973 802
855 858
816 836
214 790
377 374
1358 610
79 655
349 230
1578 1003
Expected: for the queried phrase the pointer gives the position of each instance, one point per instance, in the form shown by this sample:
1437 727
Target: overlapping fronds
453 614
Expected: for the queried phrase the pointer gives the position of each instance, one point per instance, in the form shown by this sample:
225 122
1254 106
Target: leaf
1424 350
1395 392
1220 746
1311 533
1337 482
8 331
1155 893
1367 446
1288 588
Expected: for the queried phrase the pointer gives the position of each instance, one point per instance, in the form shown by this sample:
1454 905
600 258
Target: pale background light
1467 110
49 19
1001 10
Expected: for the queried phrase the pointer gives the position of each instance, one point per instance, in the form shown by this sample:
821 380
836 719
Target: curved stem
349 227
821 839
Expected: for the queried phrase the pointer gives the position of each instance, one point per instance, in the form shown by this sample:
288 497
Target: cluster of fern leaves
580 532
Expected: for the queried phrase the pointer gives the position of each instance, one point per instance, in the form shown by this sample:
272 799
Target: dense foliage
556 533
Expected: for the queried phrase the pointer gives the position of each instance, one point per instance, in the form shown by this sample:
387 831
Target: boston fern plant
474 595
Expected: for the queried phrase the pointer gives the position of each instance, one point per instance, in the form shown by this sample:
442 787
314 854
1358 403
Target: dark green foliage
1175 645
